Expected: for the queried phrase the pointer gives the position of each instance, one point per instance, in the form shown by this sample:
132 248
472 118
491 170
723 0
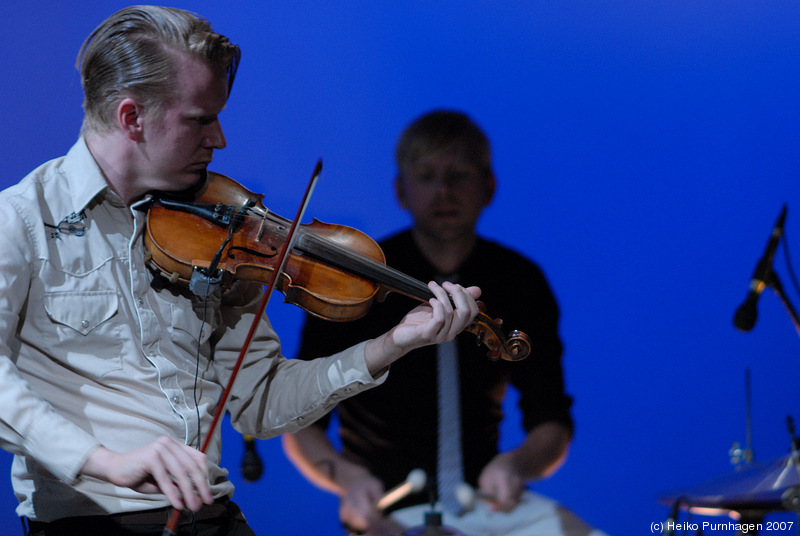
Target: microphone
414 482
251 466
745 317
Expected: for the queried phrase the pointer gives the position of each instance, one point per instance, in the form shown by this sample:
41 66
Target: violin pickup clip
203 284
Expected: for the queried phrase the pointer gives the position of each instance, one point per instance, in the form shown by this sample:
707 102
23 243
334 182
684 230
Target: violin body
179 242
333 271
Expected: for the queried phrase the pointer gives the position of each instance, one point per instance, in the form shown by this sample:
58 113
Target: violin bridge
262 226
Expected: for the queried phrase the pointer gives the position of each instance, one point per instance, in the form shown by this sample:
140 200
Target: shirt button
176 399
140 301
85 323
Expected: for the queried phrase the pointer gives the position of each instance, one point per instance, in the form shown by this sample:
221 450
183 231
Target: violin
221 232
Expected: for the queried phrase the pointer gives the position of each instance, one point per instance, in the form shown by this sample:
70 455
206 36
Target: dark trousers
223 518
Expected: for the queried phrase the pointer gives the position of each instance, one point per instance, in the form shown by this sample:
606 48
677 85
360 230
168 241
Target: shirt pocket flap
82 311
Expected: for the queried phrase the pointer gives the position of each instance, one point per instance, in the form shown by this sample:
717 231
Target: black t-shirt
392 429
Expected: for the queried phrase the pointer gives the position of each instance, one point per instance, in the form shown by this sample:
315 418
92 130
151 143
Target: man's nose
215 138
445 183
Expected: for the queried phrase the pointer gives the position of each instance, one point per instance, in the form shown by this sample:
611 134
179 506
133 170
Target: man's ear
129 118
400 191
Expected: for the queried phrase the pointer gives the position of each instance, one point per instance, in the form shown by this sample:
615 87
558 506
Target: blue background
643 151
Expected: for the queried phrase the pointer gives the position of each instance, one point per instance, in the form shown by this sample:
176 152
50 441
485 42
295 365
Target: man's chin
188 184
199 178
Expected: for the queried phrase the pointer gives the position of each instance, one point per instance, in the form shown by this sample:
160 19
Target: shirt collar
84 177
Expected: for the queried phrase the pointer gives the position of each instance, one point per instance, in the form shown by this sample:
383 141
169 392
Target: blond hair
131 53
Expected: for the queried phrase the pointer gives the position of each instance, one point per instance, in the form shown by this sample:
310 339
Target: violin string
340 256
375 271
343 257
362 265
346 258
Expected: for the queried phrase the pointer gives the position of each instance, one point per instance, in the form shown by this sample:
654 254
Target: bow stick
172 524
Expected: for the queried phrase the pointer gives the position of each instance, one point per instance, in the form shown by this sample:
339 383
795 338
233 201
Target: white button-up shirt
92 354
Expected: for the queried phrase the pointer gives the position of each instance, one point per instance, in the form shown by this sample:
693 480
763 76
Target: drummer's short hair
442 130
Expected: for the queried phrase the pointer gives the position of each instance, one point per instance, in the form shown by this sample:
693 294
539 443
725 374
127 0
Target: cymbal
751 487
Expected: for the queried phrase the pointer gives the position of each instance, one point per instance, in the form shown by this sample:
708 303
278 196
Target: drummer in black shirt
445 180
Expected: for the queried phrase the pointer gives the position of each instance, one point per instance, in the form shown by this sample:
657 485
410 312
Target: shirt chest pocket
86 338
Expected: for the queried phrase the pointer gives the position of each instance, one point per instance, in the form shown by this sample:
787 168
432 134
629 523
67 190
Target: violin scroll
515 347
519 345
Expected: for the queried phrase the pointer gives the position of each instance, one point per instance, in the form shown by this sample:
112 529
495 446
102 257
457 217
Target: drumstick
467 496
414 482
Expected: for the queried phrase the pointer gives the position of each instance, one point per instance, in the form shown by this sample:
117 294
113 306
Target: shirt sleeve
321 337
275 395
29 425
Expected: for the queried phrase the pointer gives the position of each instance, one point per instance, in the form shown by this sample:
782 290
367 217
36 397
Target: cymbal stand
433 520
742 457
748 406
433 527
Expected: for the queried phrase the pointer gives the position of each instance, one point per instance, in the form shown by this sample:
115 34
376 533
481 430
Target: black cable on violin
235 222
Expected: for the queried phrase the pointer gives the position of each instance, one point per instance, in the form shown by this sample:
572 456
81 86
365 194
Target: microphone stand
772 280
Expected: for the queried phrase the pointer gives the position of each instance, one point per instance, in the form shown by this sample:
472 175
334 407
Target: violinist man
109 375
445 180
